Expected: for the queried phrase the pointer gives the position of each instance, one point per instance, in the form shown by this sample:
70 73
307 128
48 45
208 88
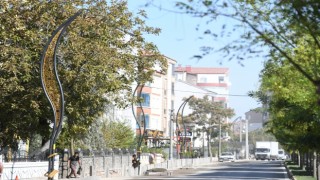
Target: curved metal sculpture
52 86
184 126
138 122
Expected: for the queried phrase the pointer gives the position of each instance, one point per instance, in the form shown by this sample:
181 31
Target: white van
281 155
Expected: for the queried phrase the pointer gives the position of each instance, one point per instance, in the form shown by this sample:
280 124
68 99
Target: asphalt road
239 170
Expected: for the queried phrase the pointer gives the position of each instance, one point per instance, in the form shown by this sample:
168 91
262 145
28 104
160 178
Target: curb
290 175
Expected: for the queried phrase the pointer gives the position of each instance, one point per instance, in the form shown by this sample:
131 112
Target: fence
120 165
111 163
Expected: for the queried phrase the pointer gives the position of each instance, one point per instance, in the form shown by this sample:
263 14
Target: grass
299 173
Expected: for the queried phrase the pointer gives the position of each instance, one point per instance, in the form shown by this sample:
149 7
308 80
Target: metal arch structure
139 122
52 86
177 124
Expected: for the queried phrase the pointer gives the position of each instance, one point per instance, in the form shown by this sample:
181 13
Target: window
203 80
221 79
147 121
172 88
172 104
146 100
142 121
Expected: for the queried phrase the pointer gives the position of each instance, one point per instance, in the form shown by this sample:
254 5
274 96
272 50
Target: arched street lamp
177 124
52 87
139 122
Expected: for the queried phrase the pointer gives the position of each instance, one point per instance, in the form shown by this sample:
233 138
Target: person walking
135 161
1 169
73 163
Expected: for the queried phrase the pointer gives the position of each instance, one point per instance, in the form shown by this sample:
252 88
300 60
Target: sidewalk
175 172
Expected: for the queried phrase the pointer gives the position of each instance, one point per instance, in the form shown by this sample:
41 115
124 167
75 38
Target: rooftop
202 70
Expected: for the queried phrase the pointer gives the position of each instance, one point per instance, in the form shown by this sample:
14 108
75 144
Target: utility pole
219 137
171 133
240 130
247 143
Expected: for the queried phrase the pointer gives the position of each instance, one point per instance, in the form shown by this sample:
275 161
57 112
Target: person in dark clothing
135 161
73 163
1 168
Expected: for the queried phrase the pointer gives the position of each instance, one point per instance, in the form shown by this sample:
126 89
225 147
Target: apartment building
210 78
158 100
211 81
192 136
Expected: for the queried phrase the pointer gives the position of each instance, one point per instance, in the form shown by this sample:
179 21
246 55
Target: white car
227 156
281 155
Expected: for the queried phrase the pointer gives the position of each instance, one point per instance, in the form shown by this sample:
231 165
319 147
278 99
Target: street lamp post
171 133
142 136
177 126
247 143
53 88
219 137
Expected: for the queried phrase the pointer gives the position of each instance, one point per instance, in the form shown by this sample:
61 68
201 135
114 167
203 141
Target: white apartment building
184 90
201 81
212 79
158 101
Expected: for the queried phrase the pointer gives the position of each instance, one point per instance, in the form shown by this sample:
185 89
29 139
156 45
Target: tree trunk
209 145
315 164
71 147
299 162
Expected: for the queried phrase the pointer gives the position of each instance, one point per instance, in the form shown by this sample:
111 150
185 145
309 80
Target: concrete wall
120 166
27 170
106 166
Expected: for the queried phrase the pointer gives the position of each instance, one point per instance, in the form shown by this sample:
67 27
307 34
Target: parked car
282 155
227 156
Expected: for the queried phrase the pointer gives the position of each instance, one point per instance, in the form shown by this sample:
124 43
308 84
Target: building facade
154 115
192 136
201 81
158 101
212 79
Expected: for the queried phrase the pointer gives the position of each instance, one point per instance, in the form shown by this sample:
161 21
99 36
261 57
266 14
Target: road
241 170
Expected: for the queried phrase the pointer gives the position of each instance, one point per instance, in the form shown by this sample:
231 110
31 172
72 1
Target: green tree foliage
259 25
289 30
294 112
118 134
207 113
102 53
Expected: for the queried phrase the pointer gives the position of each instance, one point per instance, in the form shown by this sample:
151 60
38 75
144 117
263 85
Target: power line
197 92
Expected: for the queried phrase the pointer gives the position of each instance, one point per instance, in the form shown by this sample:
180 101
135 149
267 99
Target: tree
273 24
209 114
102 53
293 110
118 134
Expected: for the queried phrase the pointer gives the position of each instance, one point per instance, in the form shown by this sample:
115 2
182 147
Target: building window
146 100
173 69
221 79
203 80
172 88
142 121
147 84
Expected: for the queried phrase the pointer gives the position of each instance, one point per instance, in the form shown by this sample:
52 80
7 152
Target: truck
266 150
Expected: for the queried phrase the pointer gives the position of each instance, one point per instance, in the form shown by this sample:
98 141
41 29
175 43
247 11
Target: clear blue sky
179 41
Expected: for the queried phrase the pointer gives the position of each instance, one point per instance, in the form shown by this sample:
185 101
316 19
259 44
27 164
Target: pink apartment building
210 78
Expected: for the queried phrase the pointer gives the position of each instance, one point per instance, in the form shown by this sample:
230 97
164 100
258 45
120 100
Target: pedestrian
135 161
1 169
151 158
73 163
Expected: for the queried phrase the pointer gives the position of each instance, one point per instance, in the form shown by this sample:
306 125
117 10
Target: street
272 170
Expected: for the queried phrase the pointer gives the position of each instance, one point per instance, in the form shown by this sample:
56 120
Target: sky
179 40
